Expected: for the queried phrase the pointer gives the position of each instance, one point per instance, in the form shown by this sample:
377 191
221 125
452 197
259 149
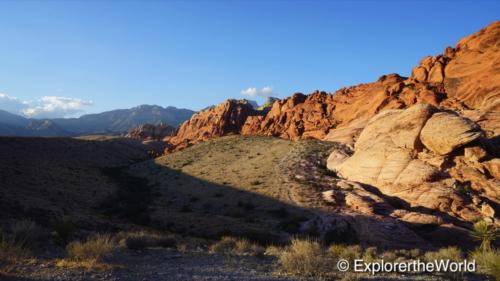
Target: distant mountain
123 120
113 122
11 119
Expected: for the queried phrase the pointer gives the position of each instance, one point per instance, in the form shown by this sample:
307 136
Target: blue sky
68 57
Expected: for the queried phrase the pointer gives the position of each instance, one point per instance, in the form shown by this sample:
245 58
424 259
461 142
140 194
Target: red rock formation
465 78
152 132
225 118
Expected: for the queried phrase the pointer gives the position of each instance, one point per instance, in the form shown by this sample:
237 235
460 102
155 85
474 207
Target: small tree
486 233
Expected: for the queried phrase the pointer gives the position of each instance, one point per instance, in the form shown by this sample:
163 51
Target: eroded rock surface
429 159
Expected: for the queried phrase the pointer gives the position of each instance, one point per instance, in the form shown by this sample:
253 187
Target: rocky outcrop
225 118
428 158
152 132
295 117
445 131
465 79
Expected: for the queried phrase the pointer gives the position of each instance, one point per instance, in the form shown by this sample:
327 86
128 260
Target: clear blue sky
192 54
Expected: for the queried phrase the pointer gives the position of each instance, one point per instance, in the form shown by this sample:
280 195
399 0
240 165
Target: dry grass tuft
142 240
488 262
90 252
304 257
450 253
350 253
236 246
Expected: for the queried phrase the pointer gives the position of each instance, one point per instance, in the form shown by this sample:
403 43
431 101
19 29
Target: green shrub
485 233
488 262
304 257
93 249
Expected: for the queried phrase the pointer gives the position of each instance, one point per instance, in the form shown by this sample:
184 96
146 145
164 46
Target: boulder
445 131
385 150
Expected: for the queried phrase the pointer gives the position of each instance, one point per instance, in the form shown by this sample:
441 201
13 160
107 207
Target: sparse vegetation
347 252
488 262
450 253
26 234
92 250
485 233
304 257
11 251
236 246
142 240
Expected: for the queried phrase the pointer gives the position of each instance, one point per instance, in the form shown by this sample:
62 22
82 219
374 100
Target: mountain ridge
117 121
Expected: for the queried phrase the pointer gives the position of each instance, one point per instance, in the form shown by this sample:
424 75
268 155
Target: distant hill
113 122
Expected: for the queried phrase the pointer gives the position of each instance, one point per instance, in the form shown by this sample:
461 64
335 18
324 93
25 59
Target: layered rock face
225 118
295 117
152 132
429 158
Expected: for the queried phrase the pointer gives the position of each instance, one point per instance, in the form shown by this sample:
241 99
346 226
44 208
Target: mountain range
110 122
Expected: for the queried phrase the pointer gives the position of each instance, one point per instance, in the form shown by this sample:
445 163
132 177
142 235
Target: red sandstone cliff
465 79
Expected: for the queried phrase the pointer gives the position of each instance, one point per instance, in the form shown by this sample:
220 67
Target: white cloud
11 104
254 92
44 107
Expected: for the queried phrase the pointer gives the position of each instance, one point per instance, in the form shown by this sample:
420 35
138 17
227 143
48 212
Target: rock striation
429 158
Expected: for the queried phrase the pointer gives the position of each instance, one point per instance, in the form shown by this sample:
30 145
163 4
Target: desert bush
142 240
347 252
409 254
236 246
450 253
370 254
389 256
10 251
26 234
273 250
304 257
488 262
94 249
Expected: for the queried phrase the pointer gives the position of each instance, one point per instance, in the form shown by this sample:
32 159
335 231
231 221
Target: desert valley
397 169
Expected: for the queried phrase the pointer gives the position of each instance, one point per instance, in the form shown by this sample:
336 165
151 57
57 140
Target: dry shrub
370 254
236 246
450 253
11 252
93 250
26 234
304 257
488 262
142 240
274 251
350 253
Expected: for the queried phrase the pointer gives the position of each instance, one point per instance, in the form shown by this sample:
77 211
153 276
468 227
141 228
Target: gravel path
158 265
